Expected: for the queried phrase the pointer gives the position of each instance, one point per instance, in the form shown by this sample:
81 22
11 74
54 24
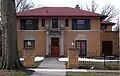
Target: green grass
15 73
101 64
90 74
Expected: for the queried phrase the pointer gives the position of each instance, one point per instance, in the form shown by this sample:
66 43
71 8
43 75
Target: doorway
107 48
81 45
55 47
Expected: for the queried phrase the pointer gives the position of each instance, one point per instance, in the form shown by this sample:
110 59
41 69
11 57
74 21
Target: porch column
62 44
47 43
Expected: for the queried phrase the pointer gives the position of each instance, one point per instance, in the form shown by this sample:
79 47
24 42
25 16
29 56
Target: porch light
73 44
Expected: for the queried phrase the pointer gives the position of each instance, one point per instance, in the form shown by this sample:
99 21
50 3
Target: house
50 31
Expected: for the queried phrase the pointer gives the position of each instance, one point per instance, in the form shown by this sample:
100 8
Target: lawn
15 73
110 65
99 65
19 72
90 74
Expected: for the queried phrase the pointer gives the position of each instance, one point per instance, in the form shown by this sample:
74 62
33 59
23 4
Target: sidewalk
50 63
73 70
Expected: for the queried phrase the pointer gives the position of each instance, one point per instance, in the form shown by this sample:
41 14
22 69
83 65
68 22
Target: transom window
29 44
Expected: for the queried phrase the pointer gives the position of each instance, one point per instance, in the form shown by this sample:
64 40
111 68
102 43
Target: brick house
52 30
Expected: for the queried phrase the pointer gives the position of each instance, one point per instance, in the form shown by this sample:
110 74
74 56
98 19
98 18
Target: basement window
29 44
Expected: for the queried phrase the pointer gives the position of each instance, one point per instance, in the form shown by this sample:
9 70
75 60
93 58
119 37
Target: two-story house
50 31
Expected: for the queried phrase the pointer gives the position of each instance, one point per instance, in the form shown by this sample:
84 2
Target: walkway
50 63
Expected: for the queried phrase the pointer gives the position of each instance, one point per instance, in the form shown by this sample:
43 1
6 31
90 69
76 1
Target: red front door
54 46
81 45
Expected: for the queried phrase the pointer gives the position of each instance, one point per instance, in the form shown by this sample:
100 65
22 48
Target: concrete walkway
50 63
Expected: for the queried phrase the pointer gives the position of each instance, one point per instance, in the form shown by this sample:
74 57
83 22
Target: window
55 23
66 22
79 24
103 27
43 23
81 45
29 24
29 44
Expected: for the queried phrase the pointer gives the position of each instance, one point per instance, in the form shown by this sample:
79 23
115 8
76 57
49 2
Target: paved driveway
50 63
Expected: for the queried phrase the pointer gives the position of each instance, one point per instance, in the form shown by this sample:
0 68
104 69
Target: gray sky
72 3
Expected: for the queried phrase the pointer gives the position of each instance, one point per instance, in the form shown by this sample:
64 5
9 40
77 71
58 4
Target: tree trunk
10 58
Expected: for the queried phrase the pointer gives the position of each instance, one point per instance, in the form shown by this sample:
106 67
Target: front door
107 48
55 47
81 45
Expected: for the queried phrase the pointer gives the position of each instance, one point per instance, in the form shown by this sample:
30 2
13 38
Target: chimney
77 6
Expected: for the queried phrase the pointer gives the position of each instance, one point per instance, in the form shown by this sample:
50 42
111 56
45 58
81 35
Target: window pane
80 24
66 22
29 24
103 27
43 23
80 21
54 23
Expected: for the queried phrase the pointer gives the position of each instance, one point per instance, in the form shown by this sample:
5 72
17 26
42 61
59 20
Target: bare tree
22 5
10 59
110 11
117 26
93 6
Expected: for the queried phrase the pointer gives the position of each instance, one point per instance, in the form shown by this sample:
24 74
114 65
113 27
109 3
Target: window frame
29 47
43 22
78 26
29 24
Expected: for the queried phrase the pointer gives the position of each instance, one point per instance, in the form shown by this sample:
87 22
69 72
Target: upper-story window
55 23
80 24
66 22
28 24
43 22
103 27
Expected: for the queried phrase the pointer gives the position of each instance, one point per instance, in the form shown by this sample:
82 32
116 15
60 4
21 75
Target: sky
72 3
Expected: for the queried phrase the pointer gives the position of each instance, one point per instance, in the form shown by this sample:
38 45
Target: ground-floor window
29 44
107 47
81 45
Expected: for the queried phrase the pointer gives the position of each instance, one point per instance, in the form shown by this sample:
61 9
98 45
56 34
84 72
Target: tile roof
58 11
